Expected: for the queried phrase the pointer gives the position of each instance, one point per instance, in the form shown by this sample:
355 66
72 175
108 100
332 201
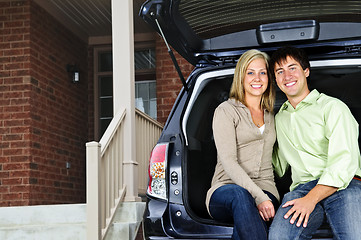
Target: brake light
157 169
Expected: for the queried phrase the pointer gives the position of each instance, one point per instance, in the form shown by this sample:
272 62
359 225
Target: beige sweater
244 155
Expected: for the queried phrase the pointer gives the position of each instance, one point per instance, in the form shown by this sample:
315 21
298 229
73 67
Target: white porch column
123 85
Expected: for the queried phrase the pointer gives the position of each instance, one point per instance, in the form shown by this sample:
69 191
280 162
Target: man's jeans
342 211
232 203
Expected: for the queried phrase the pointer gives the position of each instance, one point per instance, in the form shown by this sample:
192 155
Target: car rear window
214 18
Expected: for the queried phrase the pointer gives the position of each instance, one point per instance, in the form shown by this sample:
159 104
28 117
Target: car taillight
157 166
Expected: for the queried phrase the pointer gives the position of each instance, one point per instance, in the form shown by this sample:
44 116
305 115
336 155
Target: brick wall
15 104
43 121
168 81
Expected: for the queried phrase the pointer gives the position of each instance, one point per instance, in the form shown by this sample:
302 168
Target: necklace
257 117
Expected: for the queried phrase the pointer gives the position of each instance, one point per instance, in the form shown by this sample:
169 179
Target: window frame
97 74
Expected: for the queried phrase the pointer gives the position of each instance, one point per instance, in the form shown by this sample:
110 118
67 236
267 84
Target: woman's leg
232 202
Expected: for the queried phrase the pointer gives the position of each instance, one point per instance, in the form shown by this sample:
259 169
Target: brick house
46 118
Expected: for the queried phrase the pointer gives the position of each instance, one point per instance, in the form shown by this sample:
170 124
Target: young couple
317 137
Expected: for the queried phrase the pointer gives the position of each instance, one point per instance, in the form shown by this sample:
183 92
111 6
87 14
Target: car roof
200 29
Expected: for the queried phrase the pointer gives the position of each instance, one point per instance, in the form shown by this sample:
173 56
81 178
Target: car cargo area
335 78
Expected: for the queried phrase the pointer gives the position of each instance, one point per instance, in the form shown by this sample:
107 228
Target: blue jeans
342 211
232 203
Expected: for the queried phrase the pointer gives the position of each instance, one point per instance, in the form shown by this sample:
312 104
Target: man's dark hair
282 53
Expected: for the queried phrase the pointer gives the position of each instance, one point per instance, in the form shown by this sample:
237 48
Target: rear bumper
171 221
152 220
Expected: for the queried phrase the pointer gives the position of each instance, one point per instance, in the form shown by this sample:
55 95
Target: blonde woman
243 189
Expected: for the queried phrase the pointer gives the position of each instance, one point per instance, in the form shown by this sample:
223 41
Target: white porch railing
105 185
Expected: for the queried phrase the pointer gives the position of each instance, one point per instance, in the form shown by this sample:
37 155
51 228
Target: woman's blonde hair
237 88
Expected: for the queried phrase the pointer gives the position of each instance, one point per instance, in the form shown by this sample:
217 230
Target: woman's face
256 78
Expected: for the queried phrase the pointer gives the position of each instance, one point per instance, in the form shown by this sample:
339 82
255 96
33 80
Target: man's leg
281 228
343 211
232 201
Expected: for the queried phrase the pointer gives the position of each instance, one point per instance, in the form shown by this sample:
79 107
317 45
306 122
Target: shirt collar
311 98
237 103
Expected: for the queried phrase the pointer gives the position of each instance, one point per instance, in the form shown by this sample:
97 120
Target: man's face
292 79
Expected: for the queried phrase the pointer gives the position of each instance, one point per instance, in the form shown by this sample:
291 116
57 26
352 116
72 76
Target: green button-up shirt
319 140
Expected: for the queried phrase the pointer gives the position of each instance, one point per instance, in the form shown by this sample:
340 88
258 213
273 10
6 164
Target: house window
103 89
145 86
145 97
105 102
144 59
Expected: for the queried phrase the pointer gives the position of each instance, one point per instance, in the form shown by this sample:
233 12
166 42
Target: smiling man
317 137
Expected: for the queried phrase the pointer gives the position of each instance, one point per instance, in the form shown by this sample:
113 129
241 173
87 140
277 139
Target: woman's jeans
232 203
342 211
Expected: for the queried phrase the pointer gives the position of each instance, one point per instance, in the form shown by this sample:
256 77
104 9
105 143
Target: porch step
57 222
126 221
65 222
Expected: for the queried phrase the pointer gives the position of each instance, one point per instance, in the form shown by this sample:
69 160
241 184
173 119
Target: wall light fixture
73 70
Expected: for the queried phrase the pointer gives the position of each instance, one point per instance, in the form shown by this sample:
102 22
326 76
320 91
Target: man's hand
266 210
303 207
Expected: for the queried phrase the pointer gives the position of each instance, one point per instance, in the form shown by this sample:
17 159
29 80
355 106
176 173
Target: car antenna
174 60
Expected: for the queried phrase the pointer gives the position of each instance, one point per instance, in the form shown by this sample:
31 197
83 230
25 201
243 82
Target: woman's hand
266 210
